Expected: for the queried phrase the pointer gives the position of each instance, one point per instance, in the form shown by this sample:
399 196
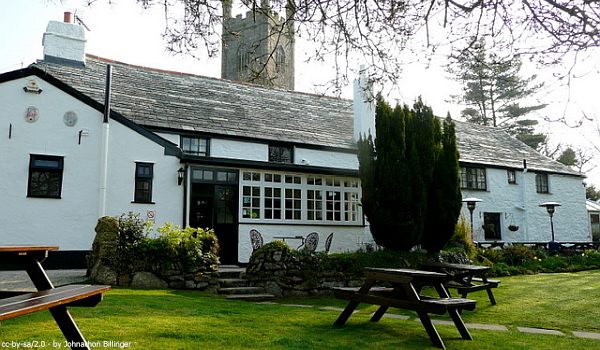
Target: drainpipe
524 202
104 149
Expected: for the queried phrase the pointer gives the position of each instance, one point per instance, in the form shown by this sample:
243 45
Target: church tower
258 48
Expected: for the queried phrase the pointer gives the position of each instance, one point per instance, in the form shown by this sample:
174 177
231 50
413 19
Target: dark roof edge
296 168
170 147
254 140
573 174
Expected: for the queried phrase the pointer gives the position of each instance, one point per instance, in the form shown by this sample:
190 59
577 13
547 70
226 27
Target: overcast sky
123 31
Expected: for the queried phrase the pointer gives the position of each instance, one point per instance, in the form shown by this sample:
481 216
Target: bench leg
60 313
68 327
379 313
346 313
460 325
431 331
491 296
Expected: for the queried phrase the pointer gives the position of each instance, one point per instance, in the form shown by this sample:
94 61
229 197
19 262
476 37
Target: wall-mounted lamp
83 132
180 176
32 87
550 207
471 203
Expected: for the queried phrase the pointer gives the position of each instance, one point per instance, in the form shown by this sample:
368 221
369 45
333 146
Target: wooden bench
70 295
385 297
405 294
466 278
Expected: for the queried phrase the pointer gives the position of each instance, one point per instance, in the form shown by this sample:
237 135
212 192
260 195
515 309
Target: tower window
280 59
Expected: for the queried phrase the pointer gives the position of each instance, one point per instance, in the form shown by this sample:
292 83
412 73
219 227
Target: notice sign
151 215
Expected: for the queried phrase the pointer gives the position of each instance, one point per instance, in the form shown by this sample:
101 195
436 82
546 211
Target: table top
465 267
11 248
404 272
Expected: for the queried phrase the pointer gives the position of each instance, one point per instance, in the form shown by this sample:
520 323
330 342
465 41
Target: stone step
241 290
231 272
251 297
232 282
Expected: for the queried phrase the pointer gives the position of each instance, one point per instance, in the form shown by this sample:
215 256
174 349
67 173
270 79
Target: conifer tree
398 170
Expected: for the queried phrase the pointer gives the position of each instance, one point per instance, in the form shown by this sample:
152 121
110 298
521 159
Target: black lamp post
550 206
471 203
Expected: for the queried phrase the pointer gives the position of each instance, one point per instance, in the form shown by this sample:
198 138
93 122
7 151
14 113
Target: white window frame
337 202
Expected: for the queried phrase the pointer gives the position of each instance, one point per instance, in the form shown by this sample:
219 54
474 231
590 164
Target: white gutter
104 149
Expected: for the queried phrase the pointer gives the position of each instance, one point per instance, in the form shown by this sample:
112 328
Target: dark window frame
542 183
281 154
511 175
45 176
188 150
473 178
144 178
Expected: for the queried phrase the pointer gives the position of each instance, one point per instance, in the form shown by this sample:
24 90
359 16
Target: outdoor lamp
180 176
471 203
550 206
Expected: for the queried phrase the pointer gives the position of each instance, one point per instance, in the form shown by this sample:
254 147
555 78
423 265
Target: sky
121 30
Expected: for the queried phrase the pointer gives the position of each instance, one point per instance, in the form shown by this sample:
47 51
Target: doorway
214 205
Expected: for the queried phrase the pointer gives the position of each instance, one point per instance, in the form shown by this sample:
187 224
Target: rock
148 280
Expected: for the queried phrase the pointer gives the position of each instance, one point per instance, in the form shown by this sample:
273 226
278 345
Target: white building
274 160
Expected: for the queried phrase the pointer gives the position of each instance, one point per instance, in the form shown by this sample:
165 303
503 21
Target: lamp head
550 207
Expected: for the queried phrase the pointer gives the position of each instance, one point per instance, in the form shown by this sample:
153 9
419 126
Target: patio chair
311 242
328 243
256 240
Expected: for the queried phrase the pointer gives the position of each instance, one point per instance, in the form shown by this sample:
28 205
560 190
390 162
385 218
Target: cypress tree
444 201
398 170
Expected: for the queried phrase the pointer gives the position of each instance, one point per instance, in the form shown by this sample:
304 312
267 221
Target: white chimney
364 106
64 42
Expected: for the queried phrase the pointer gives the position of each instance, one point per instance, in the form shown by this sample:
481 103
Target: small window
143 182
473 178
541 183
512 176
280 154
197 146
45 176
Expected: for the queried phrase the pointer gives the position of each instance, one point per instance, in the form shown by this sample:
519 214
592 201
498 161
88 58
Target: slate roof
167 100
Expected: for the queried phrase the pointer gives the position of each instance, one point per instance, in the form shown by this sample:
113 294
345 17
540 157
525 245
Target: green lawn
170 319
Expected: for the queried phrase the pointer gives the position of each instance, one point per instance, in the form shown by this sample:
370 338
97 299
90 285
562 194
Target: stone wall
285 273
107 264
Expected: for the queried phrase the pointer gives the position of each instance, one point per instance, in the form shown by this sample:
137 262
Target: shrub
518 254
462 237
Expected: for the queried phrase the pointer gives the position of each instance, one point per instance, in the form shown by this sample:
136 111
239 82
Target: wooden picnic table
405 294
465 278
14 304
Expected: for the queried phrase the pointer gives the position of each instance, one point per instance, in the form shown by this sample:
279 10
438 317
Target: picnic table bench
465 278
405 294
47 297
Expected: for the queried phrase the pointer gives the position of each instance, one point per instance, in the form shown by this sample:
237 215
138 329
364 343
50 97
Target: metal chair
311 242
328 243
256 240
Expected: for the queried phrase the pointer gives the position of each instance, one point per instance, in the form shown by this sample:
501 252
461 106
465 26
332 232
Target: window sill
142 202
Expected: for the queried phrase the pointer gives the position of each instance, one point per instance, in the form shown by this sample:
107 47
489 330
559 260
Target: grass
172 319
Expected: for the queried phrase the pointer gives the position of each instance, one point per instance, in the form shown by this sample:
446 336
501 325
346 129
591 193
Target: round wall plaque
70 118
32 114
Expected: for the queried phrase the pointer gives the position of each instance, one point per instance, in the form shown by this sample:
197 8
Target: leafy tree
377 32
568 157
409 176
493 90
592 193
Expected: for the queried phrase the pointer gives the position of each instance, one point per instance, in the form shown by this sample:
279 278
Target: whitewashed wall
69 221
519 205
128 147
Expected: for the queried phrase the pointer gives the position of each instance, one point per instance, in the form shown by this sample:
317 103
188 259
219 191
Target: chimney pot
68 18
